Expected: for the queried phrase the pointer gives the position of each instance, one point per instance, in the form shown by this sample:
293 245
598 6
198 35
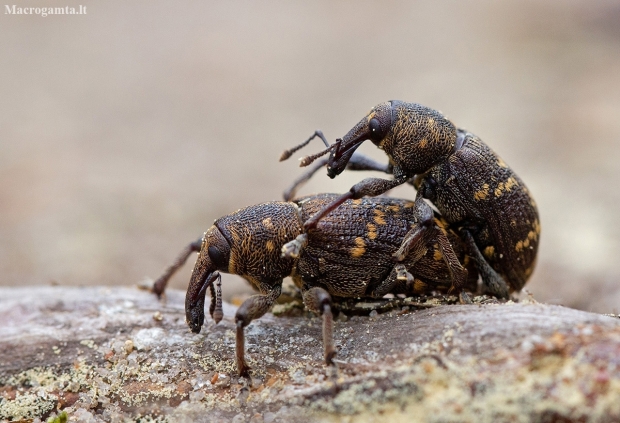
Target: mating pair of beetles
348 246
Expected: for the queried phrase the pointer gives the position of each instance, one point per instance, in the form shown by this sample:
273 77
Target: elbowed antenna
305 161
288 153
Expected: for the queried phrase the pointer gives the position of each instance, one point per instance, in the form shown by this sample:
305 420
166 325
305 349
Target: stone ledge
108 354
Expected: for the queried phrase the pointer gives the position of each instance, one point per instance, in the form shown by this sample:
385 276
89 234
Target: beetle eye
217 258
375 127
377 131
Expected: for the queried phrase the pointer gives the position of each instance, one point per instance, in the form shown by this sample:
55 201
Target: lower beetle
353 252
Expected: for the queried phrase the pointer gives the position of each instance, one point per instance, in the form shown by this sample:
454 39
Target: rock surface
111 354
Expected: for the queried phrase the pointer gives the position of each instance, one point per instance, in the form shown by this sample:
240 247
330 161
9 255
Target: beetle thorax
420 138
256 235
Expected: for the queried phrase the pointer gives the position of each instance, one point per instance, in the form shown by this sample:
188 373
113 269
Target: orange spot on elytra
483 193
360 247
379 217
372 231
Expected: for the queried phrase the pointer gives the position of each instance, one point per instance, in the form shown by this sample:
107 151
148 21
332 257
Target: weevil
354 252
472 187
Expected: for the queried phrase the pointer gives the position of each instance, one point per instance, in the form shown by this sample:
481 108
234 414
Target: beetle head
214 255
247 243
375 127
414 137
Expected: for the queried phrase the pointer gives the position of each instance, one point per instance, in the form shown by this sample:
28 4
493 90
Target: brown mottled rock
105 354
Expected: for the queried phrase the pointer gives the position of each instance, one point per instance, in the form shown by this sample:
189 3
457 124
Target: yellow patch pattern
372 231
379 217
537 227
532 237
360 247
267 223
505 186
270 245
483 193
489 251
529 270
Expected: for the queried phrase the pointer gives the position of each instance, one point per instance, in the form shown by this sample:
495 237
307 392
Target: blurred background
125 132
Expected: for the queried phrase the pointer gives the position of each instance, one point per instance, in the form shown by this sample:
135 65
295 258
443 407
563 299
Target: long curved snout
203 276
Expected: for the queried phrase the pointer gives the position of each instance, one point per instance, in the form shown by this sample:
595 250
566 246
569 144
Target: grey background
125 132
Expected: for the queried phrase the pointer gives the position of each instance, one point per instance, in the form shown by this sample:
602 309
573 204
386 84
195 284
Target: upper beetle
471 186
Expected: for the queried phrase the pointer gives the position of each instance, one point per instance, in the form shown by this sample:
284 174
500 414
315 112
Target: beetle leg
387 285
357 162
159 286
291 191
252 308
402 274
492 282
368 187
458 274
416 241
405 281
319 301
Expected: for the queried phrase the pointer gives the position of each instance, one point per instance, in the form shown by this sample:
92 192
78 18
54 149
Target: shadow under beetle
472 187
353 252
